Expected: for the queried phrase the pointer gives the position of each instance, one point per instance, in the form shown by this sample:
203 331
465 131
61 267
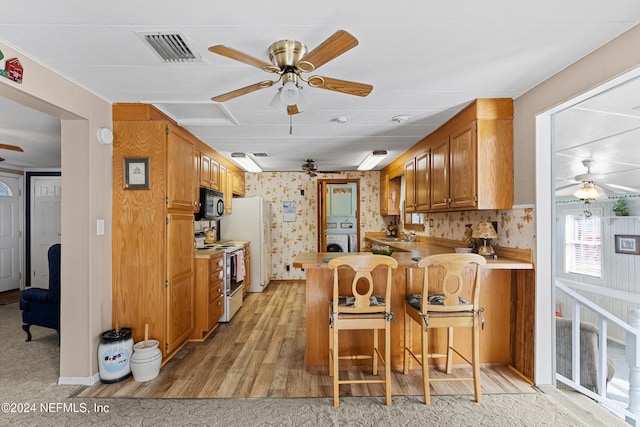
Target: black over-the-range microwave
211 204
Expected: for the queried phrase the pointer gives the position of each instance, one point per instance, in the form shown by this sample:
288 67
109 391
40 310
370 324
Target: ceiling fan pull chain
290 125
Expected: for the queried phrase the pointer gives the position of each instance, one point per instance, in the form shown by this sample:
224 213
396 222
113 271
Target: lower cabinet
209 305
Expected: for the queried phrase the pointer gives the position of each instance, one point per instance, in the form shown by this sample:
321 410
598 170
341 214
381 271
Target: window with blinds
583 243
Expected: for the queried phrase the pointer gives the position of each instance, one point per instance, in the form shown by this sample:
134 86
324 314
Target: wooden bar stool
453 274
361 310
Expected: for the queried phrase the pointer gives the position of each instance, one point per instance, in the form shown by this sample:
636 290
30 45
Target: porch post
633 359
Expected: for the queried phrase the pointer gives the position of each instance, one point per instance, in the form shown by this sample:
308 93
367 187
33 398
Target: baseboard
79 380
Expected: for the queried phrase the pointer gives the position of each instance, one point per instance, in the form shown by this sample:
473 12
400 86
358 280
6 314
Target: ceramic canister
114 352
145 362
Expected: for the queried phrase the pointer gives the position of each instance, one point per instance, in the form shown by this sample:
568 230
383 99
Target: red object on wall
15 70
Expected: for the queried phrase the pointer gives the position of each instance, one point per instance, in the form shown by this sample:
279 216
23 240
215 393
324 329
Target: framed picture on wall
136 173
627 244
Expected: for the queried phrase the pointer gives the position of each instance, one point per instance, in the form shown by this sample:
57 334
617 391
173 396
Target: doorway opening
338 215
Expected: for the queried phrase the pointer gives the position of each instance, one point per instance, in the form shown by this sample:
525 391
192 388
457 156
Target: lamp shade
587 192
485 230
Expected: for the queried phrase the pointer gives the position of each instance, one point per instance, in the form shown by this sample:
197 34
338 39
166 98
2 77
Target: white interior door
10 232
45 225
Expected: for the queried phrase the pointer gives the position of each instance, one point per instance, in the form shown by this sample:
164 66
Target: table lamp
485 231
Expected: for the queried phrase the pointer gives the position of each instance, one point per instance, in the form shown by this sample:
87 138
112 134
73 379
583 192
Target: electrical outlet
431 223
288 267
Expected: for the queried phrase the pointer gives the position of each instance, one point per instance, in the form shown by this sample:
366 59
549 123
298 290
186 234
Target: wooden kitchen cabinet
226 184
389 195
417 189
247 267
209 294
470 162
440 175
410 186
238 185
209 172
153 265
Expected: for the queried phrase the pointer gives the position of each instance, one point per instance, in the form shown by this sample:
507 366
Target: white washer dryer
338 243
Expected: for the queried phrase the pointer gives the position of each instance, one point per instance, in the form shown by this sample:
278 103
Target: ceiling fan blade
340 42
243 91
344 86
567 186
620 188
10 147
243 57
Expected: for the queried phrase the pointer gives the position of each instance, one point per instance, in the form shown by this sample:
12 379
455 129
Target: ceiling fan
289 60
591 182
9 147
311 169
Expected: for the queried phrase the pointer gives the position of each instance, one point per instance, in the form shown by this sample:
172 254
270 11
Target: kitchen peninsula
507 295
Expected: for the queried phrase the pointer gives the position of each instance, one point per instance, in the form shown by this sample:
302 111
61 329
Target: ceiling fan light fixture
245 162
587 192
289 94
372 160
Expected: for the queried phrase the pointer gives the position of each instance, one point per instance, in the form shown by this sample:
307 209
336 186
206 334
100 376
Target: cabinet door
215 175
409 186
423 189
205 170
228 201
180 172
180 280
440 175
247 268
463 182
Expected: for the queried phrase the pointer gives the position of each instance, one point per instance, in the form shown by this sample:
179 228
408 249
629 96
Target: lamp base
486 250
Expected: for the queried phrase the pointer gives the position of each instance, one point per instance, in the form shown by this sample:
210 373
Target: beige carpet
29 371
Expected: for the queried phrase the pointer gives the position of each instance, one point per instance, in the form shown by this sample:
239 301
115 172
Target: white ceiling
425 59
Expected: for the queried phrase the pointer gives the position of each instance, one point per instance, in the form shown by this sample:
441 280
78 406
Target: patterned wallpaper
516 228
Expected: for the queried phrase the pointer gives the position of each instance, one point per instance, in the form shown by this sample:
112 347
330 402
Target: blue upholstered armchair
41 307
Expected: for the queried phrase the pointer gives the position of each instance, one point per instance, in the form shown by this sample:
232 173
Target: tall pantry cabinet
153 254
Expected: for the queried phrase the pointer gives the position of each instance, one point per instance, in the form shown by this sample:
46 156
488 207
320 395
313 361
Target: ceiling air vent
172 47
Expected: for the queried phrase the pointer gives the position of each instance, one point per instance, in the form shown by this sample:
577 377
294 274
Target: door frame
27 221
322 209
546 230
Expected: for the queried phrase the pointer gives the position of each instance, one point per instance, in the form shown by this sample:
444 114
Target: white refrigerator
250 220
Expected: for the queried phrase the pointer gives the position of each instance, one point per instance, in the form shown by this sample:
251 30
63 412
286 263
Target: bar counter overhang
507 295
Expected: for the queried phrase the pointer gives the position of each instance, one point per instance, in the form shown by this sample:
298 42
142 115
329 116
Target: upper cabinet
238 185
417 191
209 172
465 164
389 195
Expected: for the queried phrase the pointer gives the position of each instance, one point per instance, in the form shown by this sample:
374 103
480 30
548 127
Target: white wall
532 141
86 196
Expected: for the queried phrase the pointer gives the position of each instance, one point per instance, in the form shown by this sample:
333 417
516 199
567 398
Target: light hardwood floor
260 353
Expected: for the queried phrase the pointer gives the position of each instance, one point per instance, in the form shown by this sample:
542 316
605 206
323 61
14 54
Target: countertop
406 254
206 253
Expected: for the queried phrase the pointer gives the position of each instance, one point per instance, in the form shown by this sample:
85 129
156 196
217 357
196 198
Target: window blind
583 245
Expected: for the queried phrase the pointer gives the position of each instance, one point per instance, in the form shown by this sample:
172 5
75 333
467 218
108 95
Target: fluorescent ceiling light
372 160
245 162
